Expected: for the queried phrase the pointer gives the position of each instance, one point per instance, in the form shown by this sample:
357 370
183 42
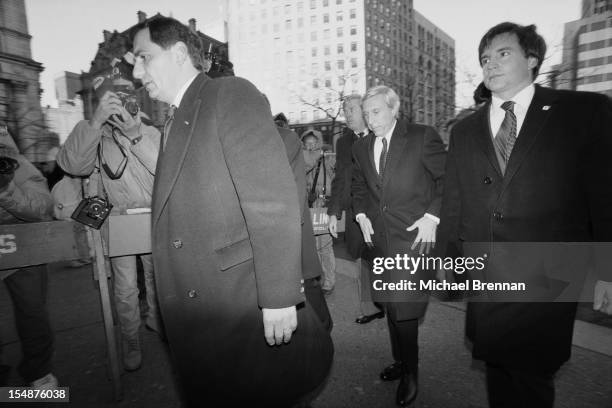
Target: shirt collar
522 99
179 96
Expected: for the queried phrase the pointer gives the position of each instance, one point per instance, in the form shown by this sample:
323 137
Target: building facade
115 44
20 88
587 51
305 55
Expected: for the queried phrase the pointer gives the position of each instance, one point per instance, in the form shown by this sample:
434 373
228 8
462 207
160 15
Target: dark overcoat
556 188
410 186
226 243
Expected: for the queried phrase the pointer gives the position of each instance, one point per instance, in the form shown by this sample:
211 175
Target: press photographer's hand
110 104
128 125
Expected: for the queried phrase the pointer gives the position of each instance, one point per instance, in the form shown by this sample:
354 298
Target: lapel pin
545 107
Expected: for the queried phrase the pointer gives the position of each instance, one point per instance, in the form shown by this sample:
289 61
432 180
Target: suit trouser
325 250
126 293
28 290
404 336
512 388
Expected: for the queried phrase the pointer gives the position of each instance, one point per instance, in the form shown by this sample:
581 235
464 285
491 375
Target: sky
66 33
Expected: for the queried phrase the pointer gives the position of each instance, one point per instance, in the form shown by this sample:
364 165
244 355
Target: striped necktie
506 136
382 160
168 123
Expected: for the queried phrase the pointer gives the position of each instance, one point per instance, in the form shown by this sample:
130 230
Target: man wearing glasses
119 154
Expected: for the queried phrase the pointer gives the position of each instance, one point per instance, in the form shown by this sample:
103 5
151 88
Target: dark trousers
508 387
28 290
316 298
404 336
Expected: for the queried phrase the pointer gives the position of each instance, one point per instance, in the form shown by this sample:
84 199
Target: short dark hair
531 42
166 31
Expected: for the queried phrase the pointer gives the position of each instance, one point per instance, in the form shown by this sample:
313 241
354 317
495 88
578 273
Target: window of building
339 32
354 30
325 18
599 25
303 116
313 4
313 51
328 82
325 3
340 49
353 13
340 64
326 50
288 25
339 16
353 46
313 36
327 66
313 19
353 62
326 34
315 83
338 1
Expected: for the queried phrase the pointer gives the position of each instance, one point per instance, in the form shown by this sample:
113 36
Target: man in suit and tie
340 201
532 165
397 189
226 235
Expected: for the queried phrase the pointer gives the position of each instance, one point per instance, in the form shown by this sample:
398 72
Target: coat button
487 180
192 294
498 216
177 243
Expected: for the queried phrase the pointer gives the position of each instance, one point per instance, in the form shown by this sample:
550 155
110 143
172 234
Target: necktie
168 123
382 160
506 136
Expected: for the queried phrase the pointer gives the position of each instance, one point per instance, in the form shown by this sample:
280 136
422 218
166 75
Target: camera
92 211
119 81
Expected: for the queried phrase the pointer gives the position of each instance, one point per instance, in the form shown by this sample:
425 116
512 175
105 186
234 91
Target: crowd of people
236 281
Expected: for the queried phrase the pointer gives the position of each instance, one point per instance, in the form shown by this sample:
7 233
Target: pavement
449 378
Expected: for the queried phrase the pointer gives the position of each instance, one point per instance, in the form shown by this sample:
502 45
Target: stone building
20 88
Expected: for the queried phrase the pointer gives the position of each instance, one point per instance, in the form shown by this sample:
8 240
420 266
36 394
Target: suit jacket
411 186
340 199
226 243
555 189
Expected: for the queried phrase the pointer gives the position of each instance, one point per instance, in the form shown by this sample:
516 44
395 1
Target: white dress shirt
521 100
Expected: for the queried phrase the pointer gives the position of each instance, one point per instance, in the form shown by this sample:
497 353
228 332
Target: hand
5 180
279 324
110 104
128 125
603 297
333 226
366 229
426 235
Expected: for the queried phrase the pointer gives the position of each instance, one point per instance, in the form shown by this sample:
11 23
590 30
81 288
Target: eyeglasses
113 175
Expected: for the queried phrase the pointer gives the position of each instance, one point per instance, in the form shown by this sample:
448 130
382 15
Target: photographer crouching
24 197
119 154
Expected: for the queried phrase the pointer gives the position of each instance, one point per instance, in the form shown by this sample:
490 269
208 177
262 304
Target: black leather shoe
407 389
391 373
368 318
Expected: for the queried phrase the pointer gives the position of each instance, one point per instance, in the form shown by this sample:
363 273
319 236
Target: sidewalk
448 376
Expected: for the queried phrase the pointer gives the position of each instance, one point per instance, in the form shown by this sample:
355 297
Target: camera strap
98 170
113 175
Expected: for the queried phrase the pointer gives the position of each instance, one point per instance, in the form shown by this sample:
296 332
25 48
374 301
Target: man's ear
532 62
180 52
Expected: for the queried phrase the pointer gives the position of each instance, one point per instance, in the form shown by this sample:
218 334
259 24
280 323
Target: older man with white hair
397 190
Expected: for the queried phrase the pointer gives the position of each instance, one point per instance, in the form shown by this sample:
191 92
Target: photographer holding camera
24 197
319 175
119 154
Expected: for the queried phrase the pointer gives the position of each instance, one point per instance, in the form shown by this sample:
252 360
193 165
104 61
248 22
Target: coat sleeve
450 211
597 175
359 187
27 196
77 156
434 160
267 193
339 184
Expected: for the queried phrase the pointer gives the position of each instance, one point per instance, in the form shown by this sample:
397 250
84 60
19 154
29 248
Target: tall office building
20 82
306 54
587 51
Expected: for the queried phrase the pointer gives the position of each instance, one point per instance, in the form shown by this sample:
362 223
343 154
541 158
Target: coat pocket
234 254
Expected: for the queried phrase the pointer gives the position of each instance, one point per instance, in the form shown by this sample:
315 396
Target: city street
448 376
